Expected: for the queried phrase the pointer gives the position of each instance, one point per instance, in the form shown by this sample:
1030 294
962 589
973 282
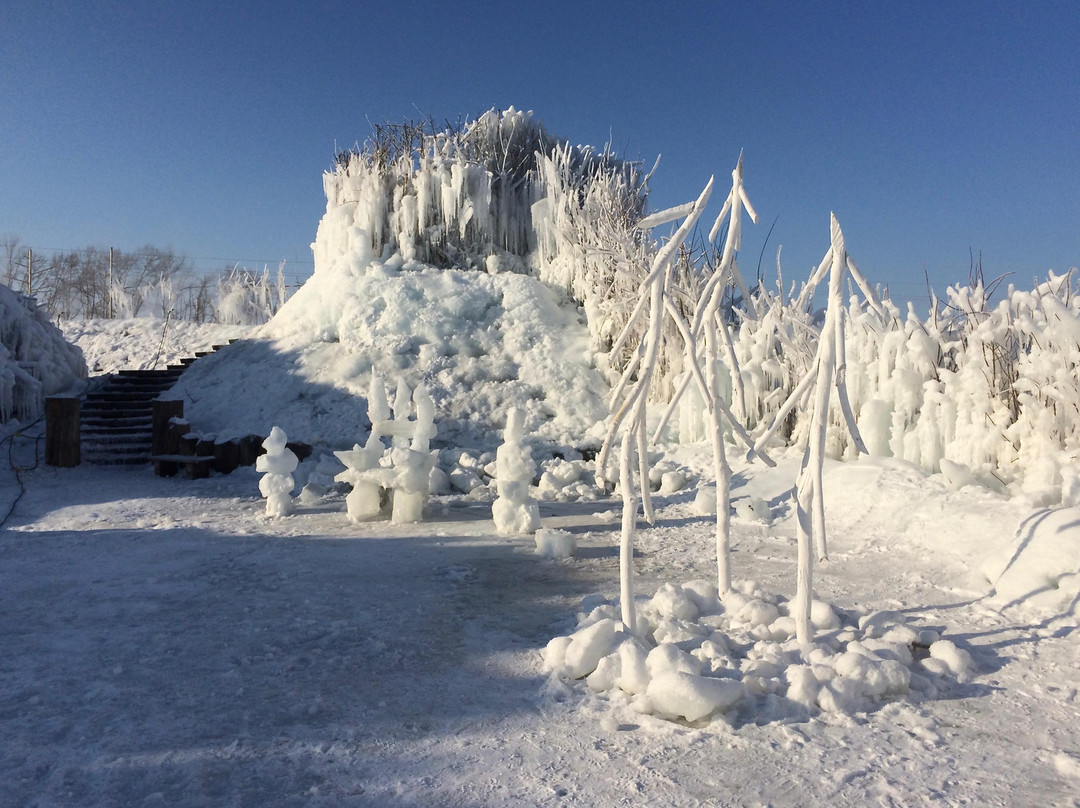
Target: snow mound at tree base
697 657
480 344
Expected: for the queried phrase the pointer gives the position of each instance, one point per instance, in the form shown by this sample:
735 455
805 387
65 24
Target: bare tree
12 253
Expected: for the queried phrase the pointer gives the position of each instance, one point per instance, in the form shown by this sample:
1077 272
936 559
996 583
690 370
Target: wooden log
62 440
186 445
178 427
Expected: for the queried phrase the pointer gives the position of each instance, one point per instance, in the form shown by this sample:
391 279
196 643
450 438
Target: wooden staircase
116 419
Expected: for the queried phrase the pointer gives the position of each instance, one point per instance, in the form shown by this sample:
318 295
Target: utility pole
110 284
29 273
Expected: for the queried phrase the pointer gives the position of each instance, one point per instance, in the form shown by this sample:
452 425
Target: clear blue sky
929 128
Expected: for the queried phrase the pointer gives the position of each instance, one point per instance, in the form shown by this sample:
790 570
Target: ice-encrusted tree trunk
716 330
630 416
829 373
711 329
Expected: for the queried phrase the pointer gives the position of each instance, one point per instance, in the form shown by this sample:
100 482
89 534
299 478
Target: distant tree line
99 282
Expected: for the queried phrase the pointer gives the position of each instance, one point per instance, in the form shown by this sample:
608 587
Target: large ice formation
35 359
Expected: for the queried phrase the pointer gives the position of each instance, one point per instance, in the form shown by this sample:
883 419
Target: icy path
161 643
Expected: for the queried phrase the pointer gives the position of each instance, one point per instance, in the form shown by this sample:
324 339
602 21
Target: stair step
112 390
97 431
120 396
148 373
142 447
134 386
108 413
116 443
142 422
120 461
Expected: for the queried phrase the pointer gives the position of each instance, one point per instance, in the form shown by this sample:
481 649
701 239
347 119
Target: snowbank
35 359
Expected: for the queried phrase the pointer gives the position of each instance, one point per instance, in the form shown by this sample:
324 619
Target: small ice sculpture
514 511
277 466
365 499
411 465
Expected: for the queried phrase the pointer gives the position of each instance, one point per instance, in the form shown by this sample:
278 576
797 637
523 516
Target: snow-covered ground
163 642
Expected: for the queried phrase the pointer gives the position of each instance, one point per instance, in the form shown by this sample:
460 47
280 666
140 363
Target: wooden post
163 412
62 444
250 448
226 456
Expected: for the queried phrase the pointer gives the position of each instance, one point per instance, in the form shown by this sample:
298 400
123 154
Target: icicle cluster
985 391
451 198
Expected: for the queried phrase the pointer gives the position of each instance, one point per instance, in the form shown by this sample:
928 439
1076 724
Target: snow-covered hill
480 343
139 343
